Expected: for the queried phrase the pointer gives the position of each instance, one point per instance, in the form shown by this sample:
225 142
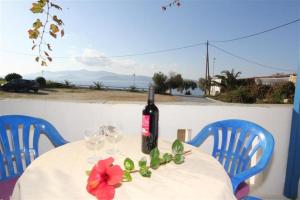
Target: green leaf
167 157
49 58
154 153
143 162
37 59
162 161
33 47
128 164
177 147
155 162
46 53
87 172
37 24
54 28
126 176
62 33
178 158
145 172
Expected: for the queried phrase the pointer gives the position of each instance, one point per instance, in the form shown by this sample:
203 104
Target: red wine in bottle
150 124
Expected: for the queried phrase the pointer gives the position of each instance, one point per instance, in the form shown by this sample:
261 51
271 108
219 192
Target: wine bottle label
146 125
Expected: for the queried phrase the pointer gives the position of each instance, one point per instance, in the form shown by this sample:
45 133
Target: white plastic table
60 174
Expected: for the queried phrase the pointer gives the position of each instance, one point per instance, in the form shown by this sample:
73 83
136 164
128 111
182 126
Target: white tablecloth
60 174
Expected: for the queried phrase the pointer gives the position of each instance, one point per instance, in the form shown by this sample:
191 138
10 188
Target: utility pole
214 66
207 77
133 79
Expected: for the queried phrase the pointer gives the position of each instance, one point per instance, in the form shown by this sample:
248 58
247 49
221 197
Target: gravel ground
87 95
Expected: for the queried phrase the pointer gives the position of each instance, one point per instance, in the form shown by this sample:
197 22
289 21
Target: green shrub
97 86
53 84
12 76
41 81
132 88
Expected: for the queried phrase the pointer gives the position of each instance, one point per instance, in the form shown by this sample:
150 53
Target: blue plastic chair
236 147
19 137
250 198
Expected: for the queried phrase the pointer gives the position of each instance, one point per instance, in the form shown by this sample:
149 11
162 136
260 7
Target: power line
124 55
258 33
251 61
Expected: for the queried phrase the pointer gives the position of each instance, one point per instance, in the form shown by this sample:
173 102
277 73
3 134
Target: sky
96 31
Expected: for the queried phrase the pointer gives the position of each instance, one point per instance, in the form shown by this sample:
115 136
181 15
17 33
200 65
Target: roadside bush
97 86
41 81
279 92
68 84
242 95
132 88
12 76
53 84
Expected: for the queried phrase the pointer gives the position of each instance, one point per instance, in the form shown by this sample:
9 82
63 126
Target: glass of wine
94 141
113 135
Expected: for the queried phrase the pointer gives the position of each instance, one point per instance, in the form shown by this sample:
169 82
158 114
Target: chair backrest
19 137
235 143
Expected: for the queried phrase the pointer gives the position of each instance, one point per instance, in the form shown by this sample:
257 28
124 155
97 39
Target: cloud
92 57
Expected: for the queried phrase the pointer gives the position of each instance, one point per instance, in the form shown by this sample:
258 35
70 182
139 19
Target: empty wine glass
113 135
94 141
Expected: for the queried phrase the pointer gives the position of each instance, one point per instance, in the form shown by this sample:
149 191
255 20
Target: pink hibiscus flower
103 179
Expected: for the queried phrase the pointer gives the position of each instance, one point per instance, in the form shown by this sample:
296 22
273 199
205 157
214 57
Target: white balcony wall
71 119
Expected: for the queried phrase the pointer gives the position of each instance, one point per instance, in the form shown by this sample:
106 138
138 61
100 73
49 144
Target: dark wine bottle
149 124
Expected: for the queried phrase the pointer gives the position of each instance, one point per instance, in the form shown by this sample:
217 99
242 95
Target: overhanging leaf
54 28
55 6
49 47
62 33
37 59
49 58
33 47
37 24
37 7
44 63
52 34
57 20
33 34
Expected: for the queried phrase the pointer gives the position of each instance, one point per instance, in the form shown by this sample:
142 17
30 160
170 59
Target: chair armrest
243 176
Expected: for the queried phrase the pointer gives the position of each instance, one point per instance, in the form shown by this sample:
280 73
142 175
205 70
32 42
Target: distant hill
86 77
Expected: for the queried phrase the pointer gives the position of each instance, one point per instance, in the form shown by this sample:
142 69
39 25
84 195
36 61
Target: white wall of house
71 119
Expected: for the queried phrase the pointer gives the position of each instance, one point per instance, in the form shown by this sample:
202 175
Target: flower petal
115 174
105 192
102 165
108 161
93 181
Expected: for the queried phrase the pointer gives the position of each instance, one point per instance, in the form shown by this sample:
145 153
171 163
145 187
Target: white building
215 89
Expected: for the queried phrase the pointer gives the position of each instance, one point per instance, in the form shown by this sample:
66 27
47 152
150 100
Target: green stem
188 152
